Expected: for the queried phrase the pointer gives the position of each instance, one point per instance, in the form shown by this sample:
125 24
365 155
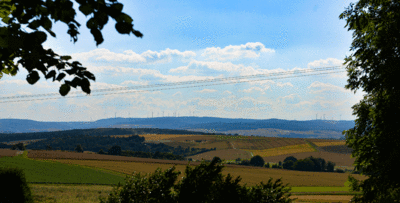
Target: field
291 149
306 186
46 171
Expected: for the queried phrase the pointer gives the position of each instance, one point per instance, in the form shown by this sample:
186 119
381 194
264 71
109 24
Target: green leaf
92 23
51 74
40 36
60 76
86 9
98 37
89 75
75 82
64 89
66 57
33 77
34 24
123 28
46 23
117 7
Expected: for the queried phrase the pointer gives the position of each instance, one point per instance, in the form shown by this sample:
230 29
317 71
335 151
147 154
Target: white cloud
131 82
130 56
206 91
251 89
279 84
231 52
227 92
323 87
180 69
325 63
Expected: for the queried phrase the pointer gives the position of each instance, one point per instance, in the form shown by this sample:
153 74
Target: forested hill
5 137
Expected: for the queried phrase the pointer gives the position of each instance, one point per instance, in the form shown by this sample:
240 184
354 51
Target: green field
54 172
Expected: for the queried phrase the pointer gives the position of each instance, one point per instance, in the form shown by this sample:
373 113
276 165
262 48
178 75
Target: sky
185 40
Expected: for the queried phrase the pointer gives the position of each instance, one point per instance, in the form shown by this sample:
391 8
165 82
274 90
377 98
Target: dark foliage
19 146
303 165
79 148
257 161
288 164
115 150
204 183
290 158
14 187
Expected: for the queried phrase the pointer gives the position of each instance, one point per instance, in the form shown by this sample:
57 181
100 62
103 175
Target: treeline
133 143
93 132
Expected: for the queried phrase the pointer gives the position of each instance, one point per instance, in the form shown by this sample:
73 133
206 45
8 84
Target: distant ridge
204 124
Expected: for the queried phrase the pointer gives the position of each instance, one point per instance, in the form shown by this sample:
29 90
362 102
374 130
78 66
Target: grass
55 172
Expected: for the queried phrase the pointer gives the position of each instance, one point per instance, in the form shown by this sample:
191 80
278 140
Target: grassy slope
45 171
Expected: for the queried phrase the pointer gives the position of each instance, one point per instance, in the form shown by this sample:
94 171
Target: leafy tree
217 159
303 165
267 165
280 163
115 150
290 158
319 163
330 166
374 138
16 43
204 183
19 146
79 148
13 186
257 161
288 164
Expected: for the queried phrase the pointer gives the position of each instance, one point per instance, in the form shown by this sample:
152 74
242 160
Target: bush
101 152
338 170
257 161
267 165
288 164
79 148
290 158
245 163
14 187
204 183
319 163
275 166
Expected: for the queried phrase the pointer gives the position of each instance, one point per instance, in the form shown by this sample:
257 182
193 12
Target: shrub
275 166
280 163
290 158
101 152
288 164
267 165
204 183
338 170
245 163
19 146
79 148
257 161
14 187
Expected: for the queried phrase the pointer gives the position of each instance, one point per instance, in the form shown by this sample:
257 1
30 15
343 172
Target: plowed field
7 152
227 154
339 159
283 150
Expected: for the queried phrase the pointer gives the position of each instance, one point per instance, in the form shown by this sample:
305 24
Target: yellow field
283 150
323 144
249 175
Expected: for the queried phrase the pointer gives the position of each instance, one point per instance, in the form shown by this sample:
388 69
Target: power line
169 84
176 83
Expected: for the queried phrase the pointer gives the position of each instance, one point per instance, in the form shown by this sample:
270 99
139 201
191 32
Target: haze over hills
267 127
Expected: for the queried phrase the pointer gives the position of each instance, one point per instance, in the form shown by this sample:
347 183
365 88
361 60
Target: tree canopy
16 43
375 138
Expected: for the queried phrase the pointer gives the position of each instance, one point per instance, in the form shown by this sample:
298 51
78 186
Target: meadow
105 170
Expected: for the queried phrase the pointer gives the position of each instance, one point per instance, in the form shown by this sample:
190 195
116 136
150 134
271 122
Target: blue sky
197 40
